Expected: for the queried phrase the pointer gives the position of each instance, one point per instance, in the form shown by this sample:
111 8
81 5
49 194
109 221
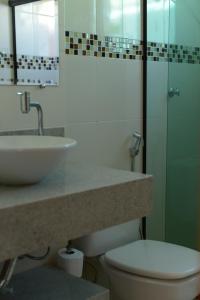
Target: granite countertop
75 200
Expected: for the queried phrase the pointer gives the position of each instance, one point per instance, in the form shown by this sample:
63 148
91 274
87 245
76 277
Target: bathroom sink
28 159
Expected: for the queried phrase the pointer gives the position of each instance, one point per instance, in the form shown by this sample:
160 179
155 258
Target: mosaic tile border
6 61
27 63
37 62
173 53
30 62
89 44
86 44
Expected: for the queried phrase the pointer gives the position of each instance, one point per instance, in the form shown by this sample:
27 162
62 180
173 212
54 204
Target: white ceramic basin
28 159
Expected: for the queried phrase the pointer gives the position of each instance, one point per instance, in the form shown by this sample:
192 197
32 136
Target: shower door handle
173 92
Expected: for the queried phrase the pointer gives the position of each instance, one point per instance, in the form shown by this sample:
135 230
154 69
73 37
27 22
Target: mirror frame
20 2
13 4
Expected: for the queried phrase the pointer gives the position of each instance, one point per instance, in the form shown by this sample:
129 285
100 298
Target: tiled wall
52 99
31 69
104 106
105 17
99 101
91 44
87 44
120 51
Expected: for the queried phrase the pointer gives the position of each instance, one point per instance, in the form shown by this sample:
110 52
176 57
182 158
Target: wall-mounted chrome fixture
173 92
42 86
135 148
27 104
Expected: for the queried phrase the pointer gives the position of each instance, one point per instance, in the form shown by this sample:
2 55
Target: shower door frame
144 93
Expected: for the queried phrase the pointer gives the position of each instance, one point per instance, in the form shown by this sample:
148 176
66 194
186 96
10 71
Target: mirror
37 43
29 47
6 44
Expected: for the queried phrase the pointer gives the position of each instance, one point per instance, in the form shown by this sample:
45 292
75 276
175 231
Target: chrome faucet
27 104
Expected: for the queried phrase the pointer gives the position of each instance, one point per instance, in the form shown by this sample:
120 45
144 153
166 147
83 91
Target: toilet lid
155 260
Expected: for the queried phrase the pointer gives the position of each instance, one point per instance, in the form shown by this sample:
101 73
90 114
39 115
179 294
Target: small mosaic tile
173 53
6 68
6 61
87 44
37 62
28 63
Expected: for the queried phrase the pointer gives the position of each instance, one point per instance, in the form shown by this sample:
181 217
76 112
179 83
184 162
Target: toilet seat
157 260
129 286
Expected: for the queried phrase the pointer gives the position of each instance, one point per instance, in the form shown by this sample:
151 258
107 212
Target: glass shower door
183 137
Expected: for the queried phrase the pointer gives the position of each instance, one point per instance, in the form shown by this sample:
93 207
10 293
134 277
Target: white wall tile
105 143
109 17
80 83
118 89
86 136
110 90
36 32
80 15
113 140
6 26
132 19
133 89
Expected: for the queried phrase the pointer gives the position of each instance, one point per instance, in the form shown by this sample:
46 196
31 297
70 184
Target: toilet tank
102 241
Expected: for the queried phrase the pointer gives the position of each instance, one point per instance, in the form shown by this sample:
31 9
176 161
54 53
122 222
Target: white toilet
143 270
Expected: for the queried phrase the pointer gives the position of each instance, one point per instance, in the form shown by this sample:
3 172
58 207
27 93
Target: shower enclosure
173 118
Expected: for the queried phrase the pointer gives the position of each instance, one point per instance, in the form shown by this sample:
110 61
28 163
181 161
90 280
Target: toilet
143 269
